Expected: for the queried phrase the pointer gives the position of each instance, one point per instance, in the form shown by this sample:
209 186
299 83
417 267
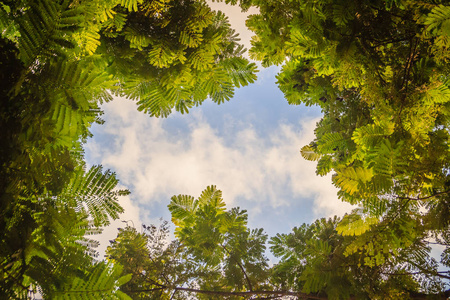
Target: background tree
215 256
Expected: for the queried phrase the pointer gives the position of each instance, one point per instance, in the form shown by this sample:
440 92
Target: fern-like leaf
330 142
44 29
352 179
439 20
324 165
354 224
439 94
369 135
95 191
102 282
182 208
308 153
131 5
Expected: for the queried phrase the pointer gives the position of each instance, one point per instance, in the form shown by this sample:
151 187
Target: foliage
53 252
381 80
379 72
100 283
59 61
214 251
215 256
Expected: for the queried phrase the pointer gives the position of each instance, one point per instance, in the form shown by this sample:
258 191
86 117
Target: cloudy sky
248 147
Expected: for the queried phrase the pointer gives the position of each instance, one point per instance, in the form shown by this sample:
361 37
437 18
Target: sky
248 147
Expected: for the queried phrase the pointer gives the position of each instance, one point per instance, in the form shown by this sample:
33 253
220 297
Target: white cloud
261 169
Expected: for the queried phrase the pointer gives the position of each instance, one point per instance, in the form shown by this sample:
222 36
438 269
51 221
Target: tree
64 59
379 71
215 252
59 60
44 243
216 256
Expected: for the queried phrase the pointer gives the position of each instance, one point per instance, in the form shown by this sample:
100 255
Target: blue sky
248 147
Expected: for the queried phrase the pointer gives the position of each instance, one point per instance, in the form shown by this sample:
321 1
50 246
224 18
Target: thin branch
241 267
413 273
408 63
427 272
252 293
277 294
163 275
152 281
435 243
173 294
424 198
146 290
391 41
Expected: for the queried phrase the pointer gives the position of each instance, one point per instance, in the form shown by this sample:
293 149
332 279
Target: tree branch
146 290
251 293
411 273
277 294
424 198
241 267
427 272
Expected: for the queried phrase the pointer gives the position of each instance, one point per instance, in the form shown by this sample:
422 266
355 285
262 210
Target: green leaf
308 153
352 179
354 224
438 20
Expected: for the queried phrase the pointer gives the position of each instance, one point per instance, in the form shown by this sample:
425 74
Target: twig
424 198
241 267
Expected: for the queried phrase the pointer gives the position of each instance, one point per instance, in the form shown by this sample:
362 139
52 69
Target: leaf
95 190
308 153
161 55
369 135
352 179
43 29
212 196
182 208
354 224
101 283
191 39
324 165
438 94
438 20
131 5
124 279
330 142
386 160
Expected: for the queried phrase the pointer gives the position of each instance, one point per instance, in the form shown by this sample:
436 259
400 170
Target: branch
276 294
443 295
241 267
146 290
424 198
152 281
435 243
427 272
251 293
409 62
163 275
412 273
391 41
